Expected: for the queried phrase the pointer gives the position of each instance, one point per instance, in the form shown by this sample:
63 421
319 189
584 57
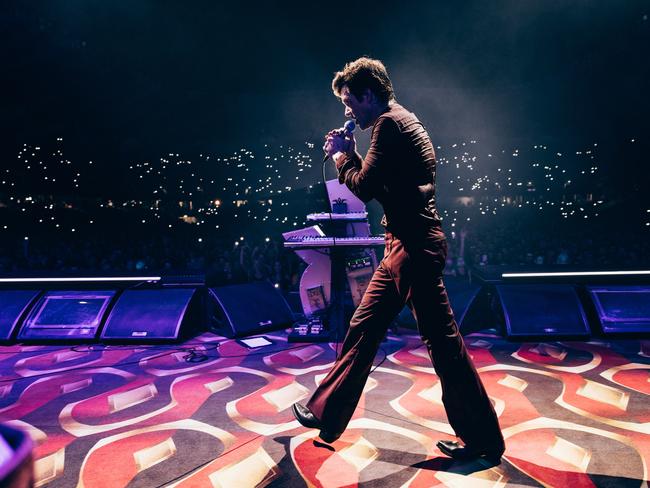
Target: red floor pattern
573 414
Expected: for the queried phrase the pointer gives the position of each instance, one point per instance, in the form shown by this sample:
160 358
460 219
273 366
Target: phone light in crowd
575 274
200 239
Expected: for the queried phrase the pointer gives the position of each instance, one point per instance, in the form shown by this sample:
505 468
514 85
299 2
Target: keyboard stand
334 327
336 312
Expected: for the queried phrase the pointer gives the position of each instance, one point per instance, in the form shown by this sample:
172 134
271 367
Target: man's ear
368 95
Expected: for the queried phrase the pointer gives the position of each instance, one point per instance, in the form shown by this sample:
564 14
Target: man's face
360 110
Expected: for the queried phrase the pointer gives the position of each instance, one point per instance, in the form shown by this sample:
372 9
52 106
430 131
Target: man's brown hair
361 74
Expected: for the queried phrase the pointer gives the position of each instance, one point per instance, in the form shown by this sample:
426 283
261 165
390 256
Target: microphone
347 129
349 126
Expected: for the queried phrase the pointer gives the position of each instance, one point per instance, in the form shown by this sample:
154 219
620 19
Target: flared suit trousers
409 274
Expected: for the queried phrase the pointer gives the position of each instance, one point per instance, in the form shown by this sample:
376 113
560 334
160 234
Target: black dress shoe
466 453
305 416
309 420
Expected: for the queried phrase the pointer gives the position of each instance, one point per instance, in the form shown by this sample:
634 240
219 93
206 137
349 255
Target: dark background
168 135
125 80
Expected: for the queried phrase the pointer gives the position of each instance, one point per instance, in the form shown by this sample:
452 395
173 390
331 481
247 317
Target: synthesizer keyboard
312 241
347 217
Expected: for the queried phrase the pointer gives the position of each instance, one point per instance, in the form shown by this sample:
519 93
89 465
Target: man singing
399 172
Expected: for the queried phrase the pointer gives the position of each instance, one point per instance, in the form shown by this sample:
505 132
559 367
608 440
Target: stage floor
198 414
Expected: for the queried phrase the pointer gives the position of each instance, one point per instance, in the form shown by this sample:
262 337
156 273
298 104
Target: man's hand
338 141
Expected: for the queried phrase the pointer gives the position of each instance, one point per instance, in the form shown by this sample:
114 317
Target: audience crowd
223 216
231 259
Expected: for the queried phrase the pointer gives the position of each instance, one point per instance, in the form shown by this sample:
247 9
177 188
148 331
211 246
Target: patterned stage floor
574 414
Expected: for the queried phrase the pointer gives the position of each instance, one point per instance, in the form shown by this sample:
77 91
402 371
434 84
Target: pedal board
312 330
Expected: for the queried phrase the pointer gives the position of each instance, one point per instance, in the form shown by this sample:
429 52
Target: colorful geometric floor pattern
573 414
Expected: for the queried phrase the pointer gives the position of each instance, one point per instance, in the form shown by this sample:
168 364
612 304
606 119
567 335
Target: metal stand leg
337 295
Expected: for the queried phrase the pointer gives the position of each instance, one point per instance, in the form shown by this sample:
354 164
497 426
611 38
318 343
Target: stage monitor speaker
150 315
622 309
66 315
462 298
542 311
13 306
249 309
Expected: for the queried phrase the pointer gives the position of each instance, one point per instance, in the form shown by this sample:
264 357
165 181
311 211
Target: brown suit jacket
399 171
